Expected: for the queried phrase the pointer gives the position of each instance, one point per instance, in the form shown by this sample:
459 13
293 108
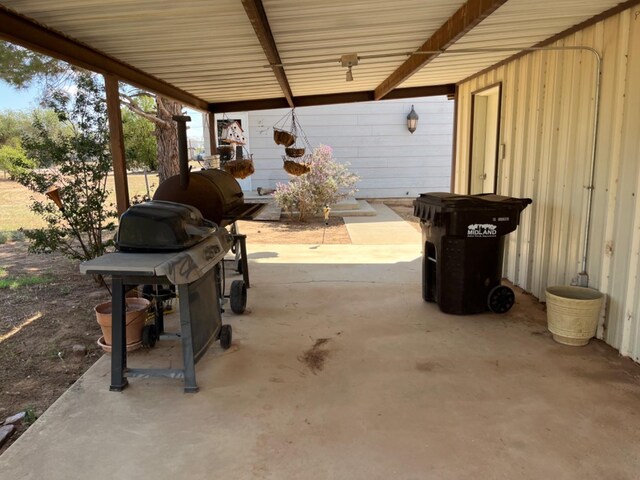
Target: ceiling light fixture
349 60
349 74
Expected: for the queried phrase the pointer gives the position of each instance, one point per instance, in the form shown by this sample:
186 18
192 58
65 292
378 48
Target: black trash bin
463 243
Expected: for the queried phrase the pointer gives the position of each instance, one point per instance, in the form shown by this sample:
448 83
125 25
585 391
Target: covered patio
339 369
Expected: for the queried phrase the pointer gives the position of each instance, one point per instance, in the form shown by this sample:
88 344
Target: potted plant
136 316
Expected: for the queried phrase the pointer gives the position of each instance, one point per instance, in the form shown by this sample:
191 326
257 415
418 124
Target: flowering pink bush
326 183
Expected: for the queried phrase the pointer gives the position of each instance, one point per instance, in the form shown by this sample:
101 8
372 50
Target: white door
484 141
243 120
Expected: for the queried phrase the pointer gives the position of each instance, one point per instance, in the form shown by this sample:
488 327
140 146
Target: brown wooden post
117 143
213 133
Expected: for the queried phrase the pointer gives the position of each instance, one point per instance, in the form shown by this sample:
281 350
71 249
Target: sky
27 99
14 99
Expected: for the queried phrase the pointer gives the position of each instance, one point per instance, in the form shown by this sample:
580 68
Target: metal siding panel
543 208
630 192
548 111
619 244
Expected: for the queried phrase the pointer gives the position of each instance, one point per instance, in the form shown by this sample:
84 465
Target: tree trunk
167 136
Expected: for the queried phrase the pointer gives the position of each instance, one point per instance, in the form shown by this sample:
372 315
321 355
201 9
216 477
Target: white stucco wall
373 138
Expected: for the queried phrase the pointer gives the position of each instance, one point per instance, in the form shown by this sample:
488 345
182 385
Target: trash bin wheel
501 299
226 334
238 296
149 336
239 266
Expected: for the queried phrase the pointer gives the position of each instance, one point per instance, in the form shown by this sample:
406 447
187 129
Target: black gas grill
179 238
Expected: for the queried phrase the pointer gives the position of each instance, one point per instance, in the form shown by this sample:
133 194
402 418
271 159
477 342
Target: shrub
14 160
82 162
326 183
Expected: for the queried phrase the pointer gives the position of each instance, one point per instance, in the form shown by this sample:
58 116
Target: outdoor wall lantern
412 120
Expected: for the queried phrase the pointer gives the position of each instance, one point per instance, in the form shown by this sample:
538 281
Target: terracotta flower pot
135 319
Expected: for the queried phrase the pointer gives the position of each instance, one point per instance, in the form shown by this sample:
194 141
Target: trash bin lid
483 200
431 206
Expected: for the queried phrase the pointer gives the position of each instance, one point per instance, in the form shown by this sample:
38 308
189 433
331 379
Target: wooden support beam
454 143
465 18
23 31
330 99
213 133
117 143
258 17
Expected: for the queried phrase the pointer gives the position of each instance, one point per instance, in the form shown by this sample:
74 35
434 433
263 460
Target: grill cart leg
190 385
119 336
243 259
242 265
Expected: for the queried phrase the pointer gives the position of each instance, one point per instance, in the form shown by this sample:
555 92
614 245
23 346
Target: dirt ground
292 231
404 208
40 323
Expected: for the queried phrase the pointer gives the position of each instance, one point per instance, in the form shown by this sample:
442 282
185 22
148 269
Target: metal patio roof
228 55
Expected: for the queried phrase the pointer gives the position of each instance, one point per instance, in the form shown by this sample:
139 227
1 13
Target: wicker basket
240 168
226 152
296 168
294 152
282 137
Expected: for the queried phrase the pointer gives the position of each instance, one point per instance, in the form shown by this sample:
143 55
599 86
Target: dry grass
15 200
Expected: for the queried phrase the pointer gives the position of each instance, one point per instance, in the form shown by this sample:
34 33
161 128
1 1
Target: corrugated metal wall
547 130
373 138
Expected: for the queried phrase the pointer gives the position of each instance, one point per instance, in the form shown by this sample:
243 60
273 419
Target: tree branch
132 105
160 104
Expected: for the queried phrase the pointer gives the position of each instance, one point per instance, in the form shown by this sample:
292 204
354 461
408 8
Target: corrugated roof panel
168 39
327 29
518 23
209 47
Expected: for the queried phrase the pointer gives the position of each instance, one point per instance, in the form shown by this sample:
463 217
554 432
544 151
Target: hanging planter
289 138
241 168
294 152
296 168
226 152
282 137
234 157
285 130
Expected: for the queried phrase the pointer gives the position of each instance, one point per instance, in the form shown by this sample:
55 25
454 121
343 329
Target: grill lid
160 226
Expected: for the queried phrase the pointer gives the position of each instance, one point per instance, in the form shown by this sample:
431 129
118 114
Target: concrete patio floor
405 392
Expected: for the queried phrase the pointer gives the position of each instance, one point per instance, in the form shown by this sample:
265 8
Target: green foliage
15 161
326 183
139 136
13 283
30 416
82 163
11 236
16 124
12 127
20 67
